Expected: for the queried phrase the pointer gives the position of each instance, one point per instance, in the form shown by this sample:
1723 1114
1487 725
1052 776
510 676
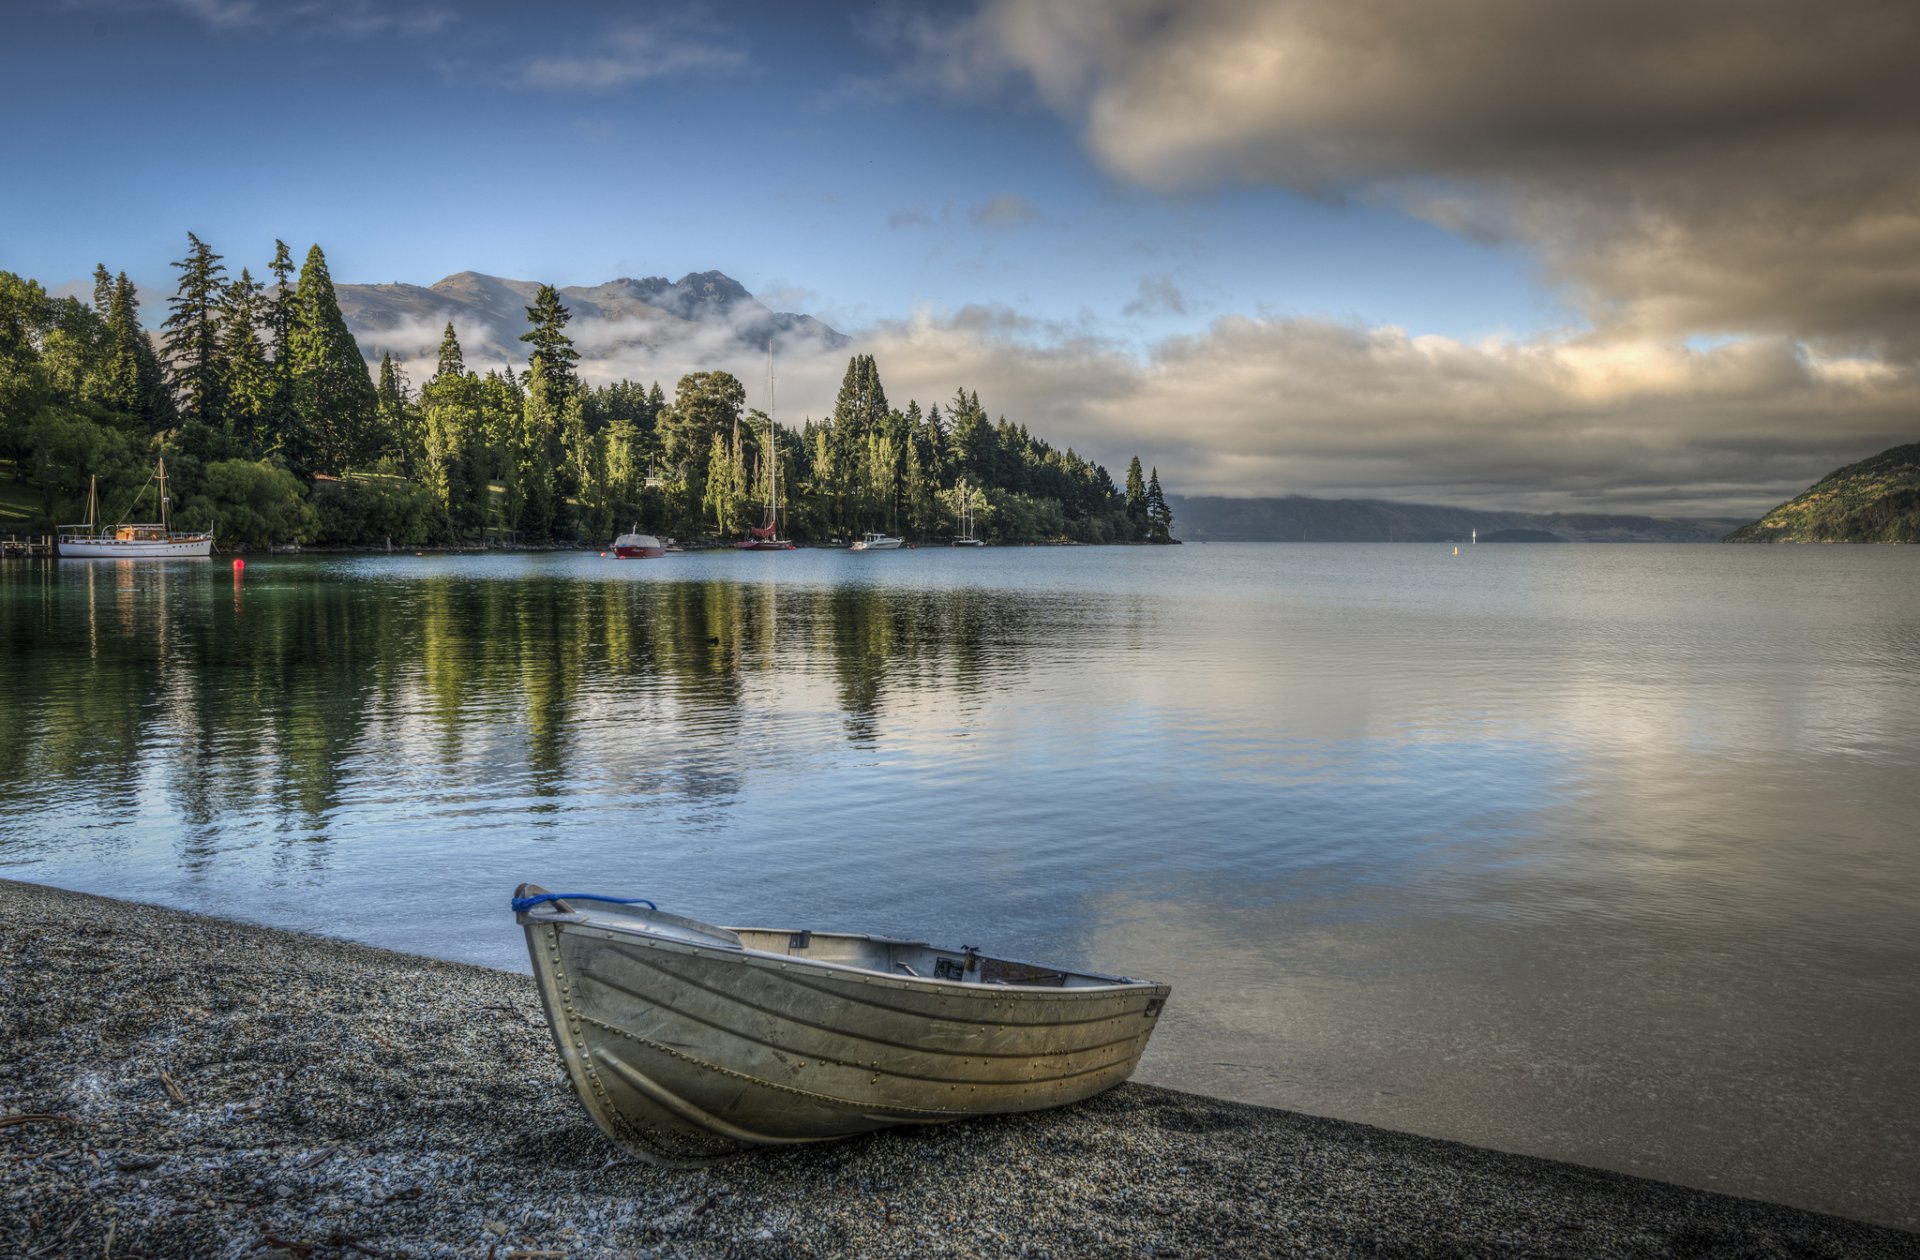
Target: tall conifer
1158 513
194 355
552 348
137 383
1137 498
247 377
333 399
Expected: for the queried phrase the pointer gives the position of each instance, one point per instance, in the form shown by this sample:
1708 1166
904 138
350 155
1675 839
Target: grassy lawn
19 503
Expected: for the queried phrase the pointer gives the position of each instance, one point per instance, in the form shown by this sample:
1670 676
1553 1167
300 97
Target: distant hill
1298 518
1875 500
490 312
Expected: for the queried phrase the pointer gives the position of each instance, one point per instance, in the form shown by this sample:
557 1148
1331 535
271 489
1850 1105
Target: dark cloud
1717 165
1158 296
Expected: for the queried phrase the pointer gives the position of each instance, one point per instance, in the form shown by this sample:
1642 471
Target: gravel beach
173 1085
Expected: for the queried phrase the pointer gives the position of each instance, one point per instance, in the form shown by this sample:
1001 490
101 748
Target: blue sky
787 145
1435 280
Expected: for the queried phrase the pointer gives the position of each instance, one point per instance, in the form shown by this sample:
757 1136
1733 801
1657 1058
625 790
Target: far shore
175 1085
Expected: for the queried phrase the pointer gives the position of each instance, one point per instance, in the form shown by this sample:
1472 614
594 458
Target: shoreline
215 1088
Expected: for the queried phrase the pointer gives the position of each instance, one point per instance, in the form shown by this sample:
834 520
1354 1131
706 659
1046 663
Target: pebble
343 1102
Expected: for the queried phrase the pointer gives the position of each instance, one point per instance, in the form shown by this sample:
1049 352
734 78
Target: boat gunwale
787 962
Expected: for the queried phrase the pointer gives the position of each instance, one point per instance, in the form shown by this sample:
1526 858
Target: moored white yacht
89 541
878 542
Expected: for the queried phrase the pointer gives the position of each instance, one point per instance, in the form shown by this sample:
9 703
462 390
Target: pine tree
1158 513
552 348
333 398
247 377
396 423
1137 499
533 505
452 362
194 354
280 311
277 424
136 381
102 290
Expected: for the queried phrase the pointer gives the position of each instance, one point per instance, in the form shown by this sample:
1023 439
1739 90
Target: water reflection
1599 853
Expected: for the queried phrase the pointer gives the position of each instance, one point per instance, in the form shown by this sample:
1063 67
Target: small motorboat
638 546
878 542
688 1042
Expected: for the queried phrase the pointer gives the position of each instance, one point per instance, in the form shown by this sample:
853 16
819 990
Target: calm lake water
1602 853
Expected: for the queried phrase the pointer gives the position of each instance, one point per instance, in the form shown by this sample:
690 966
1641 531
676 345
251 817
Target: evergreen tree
102 290
452 362
861 405
136 381
247 377
552 348
532 502
195 356
395 421
1137 499
280 311
333 398
1158 513
277 425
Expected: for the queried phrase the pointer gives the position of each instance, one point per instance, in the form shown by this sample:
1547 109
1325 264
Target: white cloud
632 54
1005 210
1275 406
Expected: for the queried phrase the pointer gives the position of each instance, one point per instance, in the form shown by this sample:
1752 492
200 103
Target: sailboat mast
773 448
164 526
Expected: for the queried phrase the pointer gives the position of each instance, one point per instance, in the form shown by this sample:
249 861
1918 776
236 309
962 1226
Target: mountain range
490 312
1300 518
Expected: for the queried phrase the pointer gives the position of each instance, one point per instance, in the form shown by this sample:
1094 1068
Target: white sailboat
966 538
767 537
160 541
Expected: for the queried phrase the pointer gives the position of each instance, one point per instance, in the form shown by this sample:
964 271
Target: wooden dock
27 547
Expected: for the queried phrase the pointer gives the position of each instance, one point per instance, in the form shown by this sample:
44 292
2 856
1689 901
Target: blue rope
523 904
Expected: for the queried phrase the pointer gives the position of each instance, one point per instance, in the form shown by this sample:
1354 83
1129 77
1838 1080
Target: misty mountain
490 312
1298 518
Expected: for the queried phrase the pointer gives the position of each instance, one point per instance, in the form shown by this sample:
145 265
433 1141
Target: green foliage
196 358
1875 500
553 353
1159 515
334 408
250 503
374 510
274 390
248 383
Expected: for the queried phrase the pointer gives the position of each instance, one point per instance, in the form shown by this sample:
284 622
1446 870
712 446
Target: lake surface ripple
1602 853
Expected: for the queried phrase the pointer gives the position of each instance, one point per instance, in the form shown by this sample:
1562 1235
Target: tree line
275 430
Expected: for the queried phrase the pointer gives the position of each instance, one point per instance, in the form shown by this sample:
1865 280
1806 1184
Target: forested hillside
274 430
1875 500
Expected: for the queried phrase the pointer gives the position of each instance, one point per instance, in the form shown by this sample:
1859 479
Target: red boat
638 547
763 539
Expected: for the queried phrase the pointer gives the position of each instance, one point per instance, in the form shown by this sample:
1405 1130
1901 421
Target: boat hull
686 1051
142 549
638 547
764 544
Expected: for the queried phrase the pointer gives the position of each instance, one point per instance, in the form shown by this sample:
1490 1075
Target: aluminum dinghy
688 1042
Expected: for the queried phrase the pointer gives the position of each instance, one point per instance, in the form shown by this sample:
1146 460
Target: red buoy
238 564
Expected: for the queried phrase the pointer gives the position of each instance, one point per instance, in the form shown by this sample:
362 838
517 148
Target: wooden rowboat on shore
688 1042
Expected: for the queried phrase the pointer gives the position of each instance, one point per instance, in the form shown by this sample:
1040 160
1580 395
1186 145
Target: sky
1622 255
